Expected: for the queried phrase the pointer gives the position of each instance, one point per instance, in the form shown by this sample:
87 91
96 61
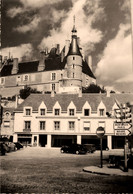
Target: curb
101 173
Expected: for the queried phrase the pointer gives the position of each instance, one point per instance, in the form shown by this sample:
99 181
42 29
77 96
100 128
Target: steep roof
74 48
53 62
86 69
34 100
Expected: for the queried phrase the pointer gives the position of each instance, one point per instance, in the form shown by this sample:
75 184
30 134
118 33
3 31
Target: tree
93 89
24 93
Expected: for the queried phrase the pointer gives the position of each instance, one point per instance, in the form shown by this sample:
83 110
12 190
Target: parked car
74 149
11 146
3 148
18 145
91 148
98 147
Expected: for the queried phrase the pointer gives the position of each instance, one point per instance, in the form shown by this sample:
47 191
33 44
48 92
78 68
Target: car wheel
77 152
62 151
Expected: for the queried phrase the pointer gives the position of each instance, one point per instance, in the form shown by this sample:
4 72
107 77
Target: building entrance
42 140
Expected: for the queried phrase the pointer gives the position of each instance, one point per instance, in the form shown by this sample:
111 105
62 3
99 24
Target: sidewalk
107 171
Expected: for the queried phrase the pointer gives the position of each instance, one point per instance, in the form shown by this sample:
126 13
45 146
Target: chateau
65 71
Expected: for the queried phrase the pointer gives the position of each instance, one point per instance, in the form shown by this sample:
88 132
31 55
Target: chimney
80 92
16 101
5 60
0 61
90 61
15 66
108 93
67 46
41 65
58 49
62 56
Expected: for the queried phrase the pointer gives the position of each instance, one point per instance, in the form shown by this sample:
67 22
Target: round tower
74 61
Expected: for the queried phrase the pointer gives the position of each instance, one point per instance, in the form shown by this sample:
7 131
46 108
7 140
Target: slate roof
53 62
34 100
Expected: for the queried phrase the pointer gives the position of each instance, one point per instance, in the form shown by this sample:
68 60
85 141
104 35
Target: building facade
64 71
58 119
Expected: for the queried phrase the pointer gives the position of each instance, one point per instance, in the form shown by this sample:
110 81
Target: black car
18 145
91 148
74 149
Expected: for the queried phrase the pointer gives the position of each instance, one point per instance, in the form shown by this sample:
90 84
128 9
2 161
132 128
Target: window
101 112
73 66
42 125
73 58
26 77
18 79
53 76
2 80
27 124
71 125
101 124
28 111
56 125
86 126
71 112
86 112
53 86
6 123
57 111
73 75
42 111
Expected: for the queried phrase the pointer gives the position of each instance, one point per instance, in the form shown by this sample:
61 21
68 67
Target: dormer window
71 112
28 111
101 112
42 111
57 111
86 112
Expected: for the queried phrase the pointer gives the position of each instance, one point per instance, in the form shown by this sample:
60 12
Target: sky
104 28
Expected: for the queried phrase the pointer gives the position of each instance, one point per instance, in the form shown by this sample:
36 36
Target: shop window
57 111
27 124
57 125
42 125
71 112
86 112
71 125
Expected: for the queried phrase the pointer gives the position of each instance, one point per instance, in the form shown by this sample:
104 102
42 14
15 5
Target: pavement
107 171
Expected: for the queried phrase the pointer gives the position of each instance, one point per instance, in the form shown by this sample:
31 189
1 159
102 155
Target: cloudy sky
104 28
